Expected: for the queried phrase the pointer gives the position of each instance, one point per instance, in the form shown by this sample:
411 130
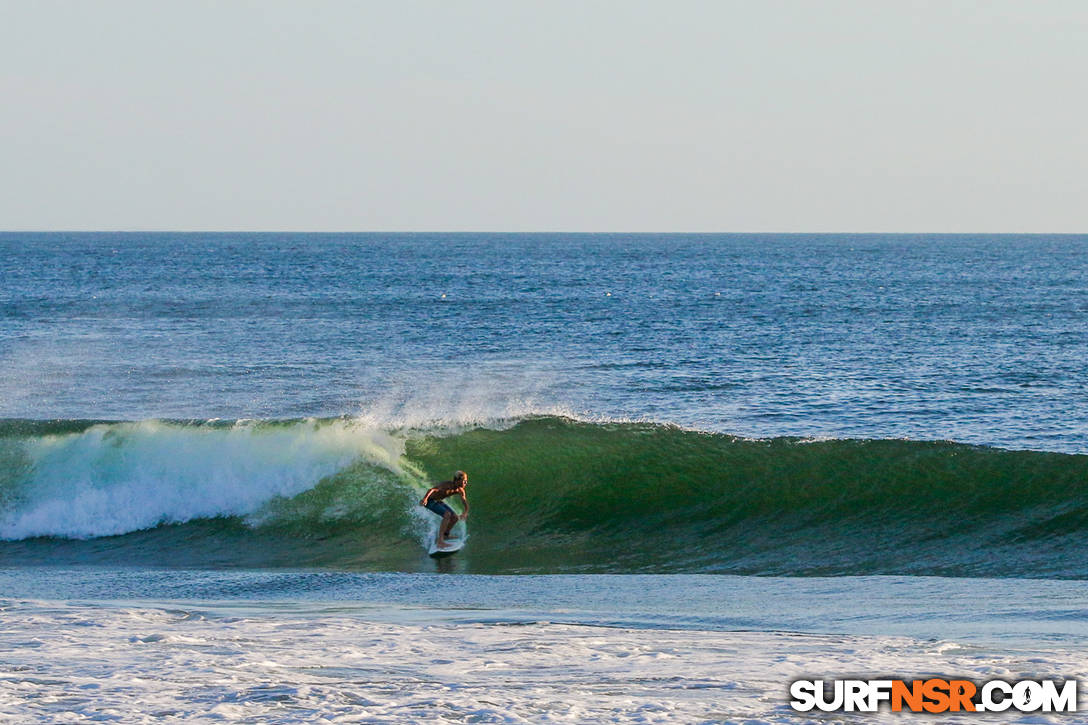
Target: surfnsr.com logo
934 695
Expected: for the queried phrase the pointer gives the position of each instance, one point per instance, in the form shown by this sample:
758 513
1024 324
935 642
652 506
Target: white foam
455 398
117 478
274 664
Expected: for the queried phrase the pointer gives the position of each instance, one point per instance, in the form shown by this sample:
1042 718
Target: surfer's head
460 477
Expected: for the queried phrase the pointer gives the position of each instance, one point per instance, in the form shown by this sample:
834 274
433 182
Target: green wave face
546 495
557 495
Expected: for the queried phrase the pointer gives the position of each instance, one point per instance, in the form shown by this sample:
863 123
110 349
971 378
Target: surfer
432 501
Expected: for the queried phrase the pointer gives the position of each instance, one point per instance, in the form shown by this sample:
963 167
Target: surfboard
452 547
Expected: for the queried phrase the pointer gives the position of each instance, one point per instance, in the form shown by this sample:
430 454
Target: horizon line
527 232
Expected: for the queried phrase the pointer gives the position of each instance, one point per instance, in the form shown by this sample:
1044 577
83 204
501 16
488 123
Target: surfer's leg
448 520
444 526
446 513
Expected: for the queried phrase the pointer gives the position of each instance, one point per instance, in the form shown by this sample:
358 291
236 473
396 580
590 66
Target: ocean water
701 466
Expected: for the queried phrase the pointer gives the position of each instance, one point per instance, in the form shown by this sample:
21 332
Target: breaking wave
548 494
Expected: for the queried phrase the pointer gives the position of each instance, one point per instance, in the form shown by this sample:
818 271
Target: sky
509 115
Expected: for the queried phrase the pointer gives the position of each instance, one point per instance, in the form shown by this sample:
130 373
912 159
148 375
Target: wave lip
85 480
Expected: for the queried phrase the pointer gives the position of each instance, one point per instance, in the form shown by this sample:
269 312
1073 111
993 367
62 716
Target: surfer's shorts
439 508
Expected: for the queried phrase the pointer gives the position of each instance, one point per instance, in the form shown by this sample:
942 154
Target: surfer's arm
464 504
427 496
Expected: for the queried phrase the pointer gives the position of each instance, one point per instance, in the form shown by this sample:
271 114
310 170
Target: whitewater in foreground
284 647
275 571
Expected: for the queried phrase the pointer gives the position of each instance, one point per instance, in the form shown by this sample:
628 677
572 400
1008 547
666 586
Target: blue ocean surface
700 467
746 404
997 614
975 339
